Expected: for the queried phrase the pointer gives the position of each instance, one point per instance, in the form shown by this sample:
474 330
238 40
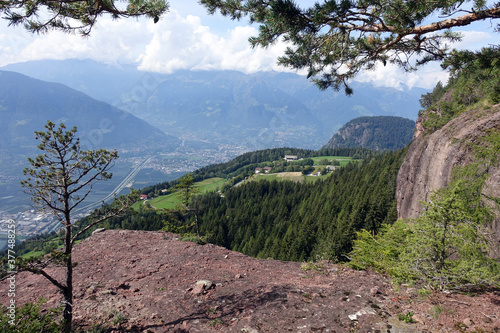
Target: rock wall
431 158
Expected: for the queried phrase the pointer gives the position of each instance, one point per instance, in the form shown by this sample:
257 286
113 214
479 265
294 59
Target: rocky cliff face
431 158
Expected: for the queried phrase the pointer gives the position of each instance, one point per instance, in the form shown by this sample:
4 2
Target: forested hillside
244 165
283 220
377 133
300 221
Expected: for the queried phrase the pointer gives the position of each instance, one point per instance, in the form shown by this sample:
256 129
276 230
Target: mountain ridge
261 110
377 133
27 103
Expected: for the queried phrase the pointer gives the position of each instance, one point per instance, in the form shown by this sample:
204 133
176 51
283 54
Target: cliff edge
431 158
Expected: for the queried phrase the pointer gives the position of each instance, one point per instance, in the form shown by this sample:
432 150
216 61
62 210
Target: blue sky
188 38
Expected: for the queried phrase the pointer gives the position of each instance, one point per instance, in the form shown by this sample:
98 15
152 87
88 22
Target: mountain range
209 113
27 103
261 110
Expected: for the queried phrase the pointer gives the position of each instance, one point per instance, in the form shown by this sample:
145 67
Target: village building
289 158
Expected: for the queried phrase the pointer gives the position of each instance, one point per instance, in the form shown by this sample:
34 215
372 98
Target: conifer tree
59 180
335 39
74 15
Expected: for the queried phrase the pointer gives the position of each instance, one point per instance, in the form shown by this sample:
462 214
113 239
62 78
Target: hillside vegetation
300 220
474 83
370 183
376 133
244 165
453 242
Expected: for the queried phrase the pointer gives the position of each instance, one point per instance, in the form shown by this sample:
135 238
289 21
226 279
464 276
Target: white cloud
392 76
184 43
427 76
474 40
12 41
110 41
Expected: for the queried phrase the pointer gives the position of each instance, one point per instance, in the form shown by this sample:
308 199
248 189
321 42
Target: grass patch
171 200
311 266
293 176
215 322
32 254
211 184
343 160
168 201
438 310
313 179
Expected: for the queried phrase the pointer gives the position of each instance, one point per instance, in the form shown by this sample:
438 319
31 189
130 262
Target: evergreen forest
284 220
304 221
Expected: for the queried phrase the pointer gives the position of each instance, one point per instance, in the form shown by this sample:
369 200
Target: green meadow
169 201
343 160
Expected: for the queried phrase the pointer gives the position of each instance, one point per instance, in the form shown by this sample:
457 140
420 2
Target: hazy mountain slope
334 109
377 133
232 106
104 82
27 104
261 110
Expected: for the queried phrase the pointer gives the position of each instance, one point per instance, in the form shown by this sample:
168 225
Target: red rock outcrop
431 158
140 281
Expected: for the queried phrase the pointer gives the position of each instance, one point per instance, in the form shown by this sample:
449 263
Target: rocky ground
138 281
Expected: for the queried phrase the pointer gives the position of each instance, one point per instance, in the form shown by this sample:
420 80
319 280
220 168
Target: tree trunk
68 290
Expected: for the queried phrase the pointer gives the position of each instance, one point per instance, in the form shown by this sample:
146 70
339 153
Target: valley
130 171
178 122
285 172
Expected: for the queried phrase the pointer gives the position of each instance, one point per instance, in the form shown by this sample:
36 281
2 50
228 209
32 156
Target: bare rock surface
139 281
432 157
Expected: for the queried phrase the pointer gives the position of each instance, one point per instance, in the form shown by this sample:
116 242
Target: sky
188 38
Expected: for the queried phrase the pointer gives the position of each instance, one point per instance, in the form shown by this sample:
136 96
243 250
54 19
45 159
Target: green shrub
30 318
194 238
446 245
407 317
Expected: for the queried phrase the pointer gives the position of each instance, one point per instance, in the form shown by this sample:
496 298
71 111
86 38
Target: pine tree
335 40
59 180
74 15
